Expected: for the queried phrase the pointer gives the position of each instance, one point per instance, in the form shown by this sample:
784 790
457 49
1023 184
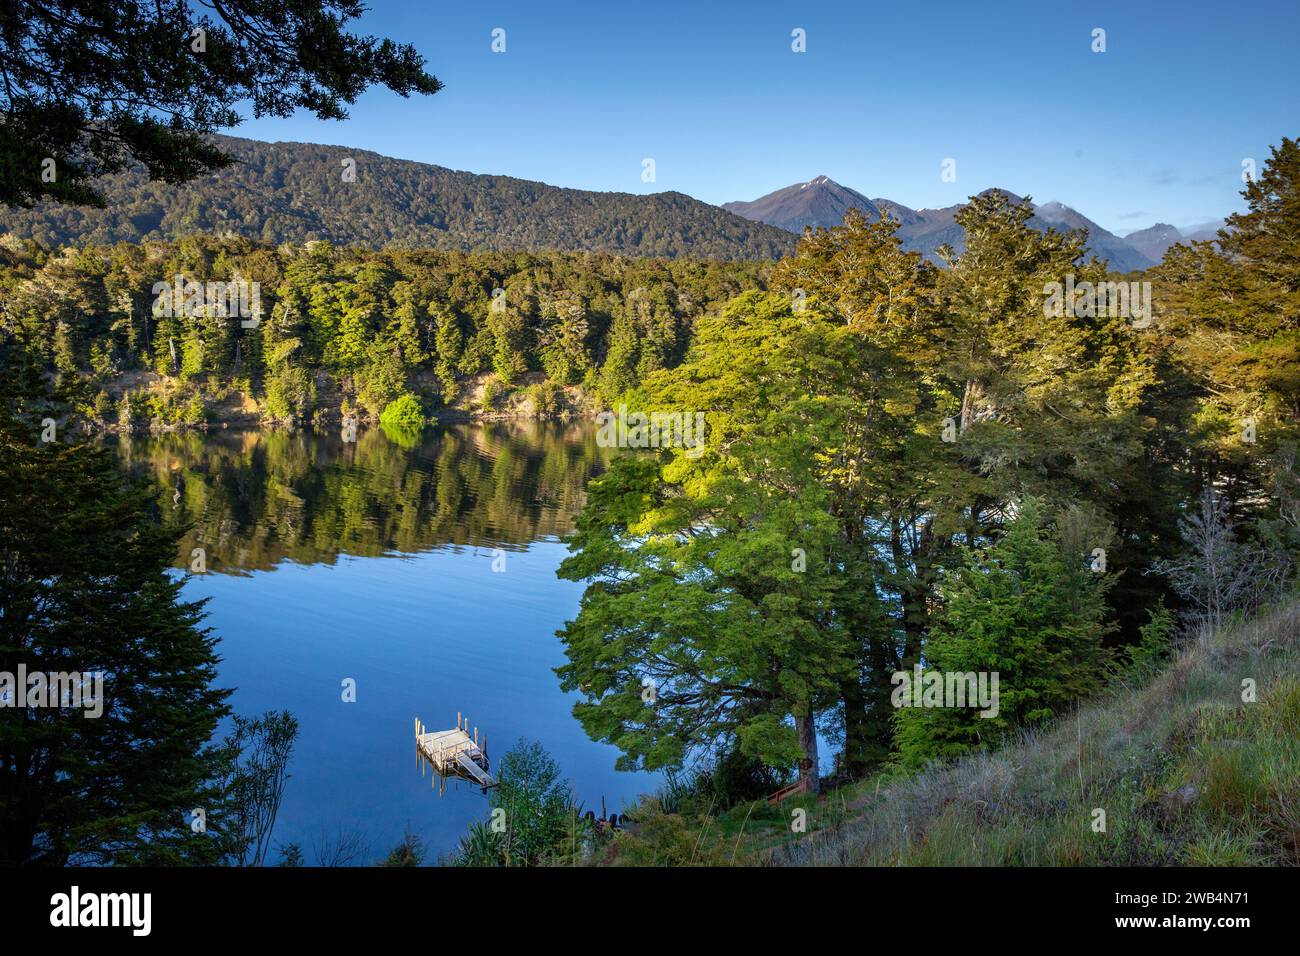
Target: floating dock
454 752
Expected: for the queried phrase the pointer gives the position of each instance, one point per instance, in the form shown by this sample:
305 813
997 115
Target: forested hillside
298 192
923 475
906 468
922 468
343 330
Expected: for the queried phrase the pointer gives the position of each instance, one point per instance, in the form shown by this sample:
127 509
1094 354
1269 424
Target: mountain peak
923 230
1155 240
999 191
821 203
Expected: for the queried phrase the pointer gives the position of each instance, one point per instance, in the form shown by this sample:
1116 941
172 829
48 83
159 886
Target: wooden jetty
454 752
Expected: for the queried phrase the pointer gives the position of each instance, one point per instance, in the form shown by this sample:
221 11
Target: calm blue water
374 562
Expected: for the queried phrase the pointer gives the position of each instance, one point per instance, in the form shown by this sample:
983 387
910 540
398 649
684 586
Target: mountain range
297 192
822 202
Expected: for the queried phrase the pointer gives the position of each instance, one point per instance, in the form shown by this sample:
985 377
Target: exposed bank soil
481 398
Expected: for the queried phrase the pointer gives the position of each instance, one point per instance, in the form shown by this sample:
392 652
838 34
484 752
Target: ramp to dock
474 770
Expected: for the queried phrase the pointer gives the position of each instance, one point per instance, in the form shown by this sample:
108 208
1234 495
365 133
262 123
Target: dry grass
1185 771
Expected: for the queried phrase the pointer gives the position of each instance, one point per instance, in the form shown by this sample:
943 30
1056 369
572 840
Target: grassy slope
1186 772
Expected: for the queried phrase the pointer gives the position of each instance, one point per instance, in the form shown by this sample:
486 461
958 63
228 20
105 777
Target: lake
373 561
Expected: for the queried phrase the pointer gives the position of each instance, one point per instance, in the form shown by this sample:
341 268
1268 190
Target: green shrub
547 398
669 839
481 846
195 411
534 805
102 407
1146 655
403 413
290 393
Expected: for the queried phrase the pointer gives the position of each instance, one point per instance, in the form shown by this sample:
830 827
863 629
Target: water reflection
356 586
258 498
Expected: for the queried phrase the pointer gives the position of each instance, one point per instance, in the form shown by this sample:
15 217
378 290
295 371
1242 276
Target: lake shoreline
225 406
424 573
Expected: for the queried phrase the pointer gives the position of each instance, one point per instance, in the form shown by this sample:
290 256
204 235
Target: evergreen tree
1028 608
101 87
618 373
1264 238
1230 322
450 346
509 343
84 588
382 381
694 592
403 329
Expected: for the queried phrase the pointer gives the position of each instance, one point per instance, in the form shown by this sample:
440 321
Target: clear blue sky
1154 129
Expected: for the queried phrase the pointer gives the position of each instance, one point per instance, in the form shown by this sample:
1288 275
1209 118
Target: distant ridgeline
299 192
237 330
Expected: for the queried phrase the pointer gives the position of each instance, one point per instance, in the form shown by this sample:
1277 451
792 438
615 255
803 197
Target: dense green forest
911 467
914 470
906 468
348 331
299 192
